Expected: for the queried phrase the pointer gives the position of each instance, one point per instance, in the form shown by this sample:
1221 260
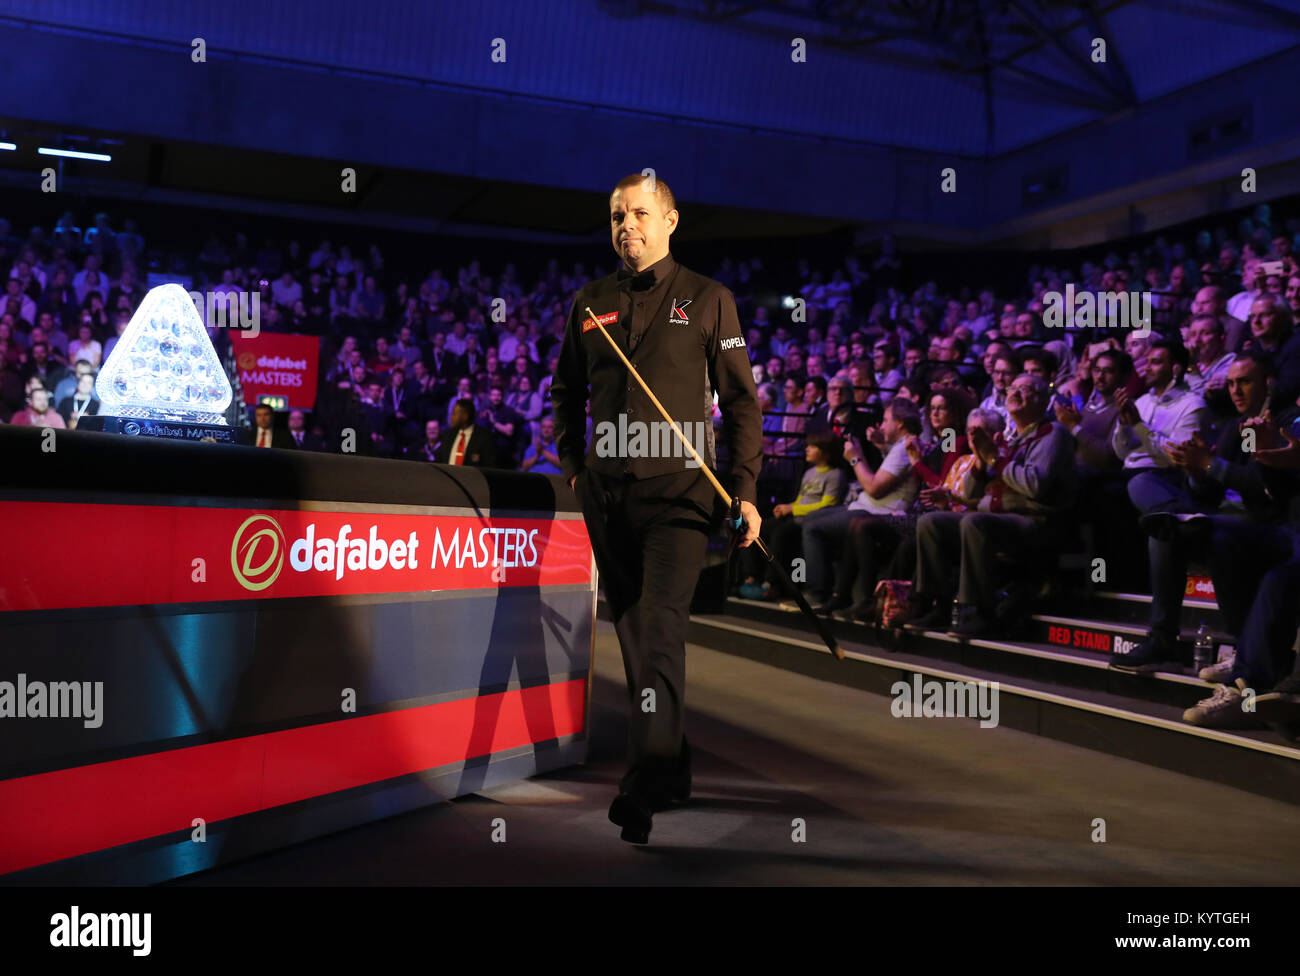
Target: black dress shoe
634 815
864 612
828 607
976 624
1156 653
936 619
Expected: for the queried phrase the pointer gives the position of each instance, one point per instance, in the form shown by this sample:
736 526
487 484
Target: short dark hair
1177 351
1123 361
1038 354
819 382
943 372
662 193
998 342
906 413
1263 362
1012 357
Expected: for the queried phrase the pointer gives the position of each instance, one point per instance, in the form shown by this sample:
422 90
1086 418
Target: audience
877 385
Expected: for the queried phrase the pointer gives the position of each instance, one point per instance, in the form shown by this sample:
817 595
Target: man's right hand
572 481
1128 412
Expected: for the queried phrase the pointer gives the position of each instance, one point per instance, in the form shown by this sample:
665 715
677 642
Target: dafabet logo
257 552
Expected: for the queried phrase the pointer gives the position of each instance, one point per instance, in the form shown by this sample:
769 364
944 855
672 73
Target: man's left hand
1193 456
752 523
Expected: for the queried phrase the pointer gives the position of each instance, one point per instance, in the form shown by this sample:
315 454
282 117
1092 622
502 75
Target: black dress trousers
649 537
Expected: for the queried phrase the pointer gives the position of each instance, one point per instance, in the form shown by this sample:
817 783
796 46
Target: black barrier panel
91 463
274 718
216 675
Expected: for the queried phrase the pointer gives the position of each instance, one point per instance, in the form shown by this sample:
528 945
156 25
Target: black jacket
480 452
681 332
1265 492
279 438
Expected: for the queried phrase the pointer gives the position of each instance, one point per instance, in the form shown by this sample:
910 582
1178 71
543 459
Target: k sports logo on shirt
609 318
678 314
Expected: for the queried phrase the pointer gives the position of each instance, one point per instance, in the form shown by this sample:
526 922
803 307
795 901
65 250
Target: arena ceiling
759 143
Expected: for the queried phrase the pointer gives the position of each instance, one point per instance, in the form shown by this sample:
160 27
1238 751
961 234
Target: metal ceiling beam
1120 80
1073 58
1058 90
1266 14
955 59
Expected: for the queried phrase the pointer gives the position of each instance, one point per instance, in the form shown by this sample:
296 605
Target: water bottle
1203 654
955 620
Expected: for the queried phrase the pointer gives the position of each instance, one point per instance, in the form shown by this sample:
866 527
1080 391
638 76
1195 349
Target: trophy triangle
164 366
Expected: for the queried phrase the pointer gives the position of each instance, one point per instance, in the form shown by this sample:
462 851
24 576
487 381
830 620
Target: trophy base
181 430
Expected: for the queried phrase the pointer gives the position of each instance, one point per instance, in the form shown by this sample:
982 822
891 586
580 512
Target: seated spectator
542 455
39 412
1031 485
888 492
340 298
68 385
82 403
819 408
285 291
822 486
303 438
1271 329
915 353
54 335
1212 301
473 361
25 308
404 350
376 435
1252 287
506 426
944 463
1167 413
85 346
381 361
1207 373
40 365
399 408
433 447
1254 562
884 359
1006 367
525 401
464 389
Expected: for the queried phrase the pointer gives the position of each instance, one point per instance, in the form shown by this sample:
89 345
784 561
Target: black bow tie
635 280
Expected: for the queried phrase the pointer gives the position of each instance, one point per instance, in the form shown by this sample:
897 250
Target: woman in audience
525 400
86 347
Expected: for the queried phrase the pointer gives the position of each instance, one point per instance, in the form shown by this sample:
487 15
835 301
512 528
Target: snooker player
647 508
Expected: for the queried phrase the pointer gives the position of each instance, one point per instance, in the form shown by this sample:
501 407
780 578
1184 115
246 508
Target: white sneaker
1222 710
1220 671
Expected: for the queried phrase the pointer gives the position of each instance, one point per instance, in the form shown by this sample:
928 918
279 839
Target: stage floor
885 800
